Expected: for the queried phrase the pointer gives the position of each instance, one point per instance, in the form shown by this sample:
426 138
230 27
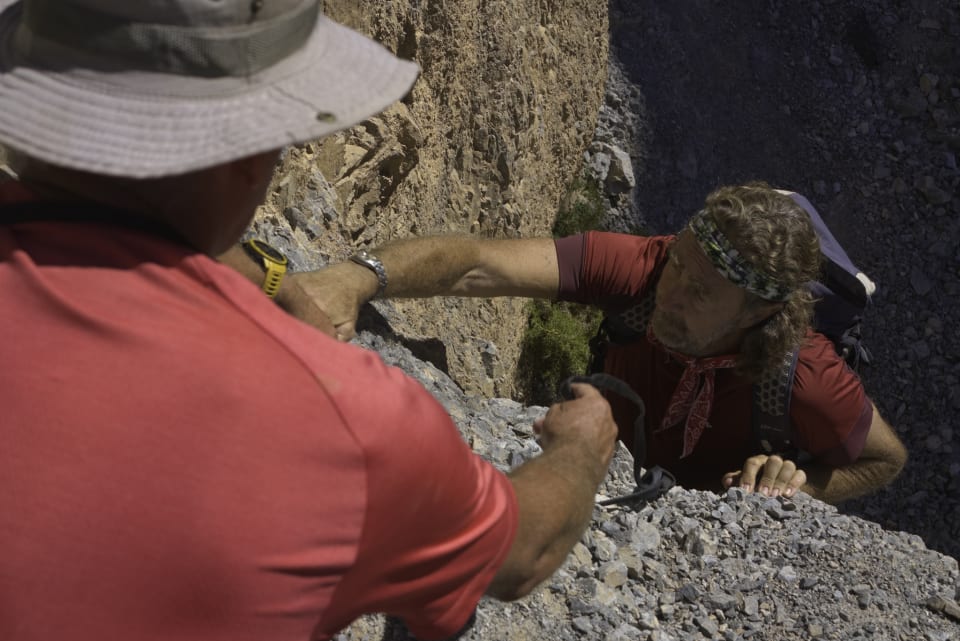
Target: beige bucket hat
148 89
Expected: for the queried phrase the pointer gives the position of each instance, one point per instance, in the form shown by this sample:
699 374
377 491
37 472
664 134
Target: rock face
856 105
486 143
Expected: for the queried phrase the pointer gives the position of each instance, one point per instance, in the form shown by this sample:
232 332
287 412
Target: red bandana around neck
698 374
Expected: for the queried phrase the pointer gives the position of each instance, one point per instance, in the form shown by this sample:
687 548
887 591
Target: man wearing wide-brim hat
180 458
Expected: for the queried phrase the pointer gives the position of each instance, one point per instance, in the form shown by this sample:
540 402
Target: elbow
508 593
896 461
884 470
520 576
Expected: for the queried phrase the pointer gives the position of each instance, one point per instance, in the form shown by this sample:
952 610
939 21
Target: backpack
843 295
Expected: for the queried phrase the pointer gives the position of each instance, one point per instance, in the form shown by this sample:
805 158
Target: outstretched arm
432 266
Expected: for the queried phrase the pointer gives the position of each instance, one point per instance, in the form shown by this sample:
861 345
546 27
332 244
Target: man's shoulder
820 371
817 347
373 397
609 240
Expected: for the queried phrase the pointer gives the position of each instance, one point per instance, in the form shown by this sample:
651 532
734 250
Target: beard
673 333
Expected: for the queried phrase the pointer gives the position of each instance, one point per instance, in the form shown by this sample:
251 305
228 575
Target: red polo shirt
181 459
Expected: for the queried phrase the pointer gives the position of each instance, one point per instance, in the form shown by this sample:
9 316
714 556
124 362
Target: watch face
269 251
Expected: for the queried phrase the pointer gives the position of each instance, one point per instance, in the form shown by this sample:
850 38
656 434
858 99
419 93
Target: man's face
698 312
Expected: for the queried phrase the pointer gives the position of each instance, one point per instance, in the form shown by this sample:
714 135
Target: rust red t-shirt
181 459
830 411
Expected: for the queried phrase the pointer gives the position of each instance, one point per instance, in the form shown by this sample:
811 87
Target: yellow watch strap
273 277
271 260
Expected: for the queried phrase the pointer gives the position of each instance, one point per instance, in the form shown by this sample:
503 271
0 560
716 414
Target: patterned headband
732 265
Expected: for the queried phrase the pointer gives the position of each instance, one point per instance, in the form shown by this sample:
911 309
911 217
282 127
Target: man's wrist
371 262
575 461
271 261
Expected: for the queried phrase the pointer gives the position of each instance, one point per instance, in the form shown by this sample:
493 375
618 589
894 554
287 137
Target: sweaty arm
433 266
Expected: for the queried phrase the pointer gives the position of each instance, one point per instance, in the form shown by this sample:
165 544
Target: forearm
555 493
834 485
880 461
469 266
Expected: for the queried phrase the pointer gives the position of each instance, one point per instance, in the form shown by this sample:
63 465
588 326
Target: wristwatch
368 260
273 262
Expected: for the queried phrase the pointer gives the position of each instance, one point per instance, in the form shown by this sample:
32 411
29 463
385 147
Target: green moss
581 210
555 346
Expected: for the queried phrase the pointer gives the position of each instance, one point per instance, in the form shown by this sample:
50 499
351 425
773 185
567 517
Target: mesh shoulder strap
771 406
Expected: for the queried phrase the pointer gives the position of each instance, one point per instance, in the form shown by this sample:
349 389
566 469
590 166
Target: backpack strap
770 415
613 384
653 483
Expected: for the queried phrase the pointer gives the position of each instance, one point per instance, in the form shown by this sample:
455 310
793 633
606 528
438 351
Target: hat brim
143 125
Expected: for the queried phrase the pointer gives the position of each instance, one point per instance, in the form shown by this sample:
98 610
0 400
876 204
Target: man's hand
338 291
768 475
295 301
584 422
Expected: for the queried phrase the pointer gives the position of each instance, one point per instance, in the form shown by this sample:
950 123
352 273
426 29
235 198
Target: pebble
707 625
787 574
919 281
808 582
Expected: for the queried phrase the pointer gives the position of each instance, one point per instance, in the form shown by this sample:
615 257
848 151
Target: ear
756 311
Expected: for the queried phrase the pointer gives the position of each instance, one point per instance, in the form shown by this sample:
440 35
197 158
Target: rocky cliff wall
486 143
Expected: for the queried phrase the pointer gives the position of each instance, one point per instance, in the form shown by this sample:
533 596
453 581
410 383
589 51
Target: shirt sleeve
830 409
440 520
606 269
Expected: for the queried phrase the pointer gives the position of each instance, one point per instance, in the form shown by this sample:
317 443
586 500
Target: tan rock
486 143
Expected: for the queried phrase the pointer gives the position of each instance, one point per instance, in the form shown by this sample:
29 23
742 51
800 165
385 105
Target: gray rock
707 625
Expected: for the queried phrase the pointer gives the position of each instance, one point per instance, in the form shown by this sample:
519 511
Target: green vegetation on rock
582 209
555 344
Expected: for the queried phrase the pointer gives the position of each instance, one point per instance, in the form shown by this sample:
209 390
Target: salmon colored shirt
180 459
829 411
